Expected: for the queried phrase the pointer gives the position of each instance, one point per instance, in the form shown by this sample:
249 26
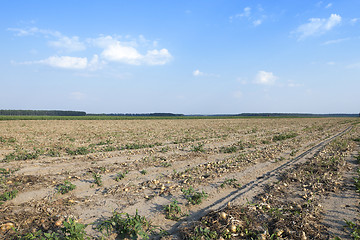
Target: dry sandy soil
270 178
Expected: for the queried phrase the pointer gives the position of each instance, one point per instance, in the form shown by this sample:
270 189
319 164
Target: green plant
22 155
284 136
173 211
198 148
53 153
120 176
73 230
357 182
203 233
164 149
78 151
97 179
126 226
230 149
194 197
66 187
165 164
354 228
8 196
230 182
39 235
143 172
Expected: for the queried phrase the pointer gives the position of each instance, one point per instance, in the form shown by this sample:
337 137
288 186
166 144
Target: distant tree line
296 115
41 113
139 114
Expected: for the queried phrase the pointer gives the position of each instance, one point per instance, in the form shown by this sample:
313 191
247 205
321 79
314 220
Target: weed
164 149
22 155
71 231
173 211
198 148
102 169
194 197
126 226
78 151
357 182
230 149
53 153
138 146
230 182
284 136
97 179
356 139
66 187
143 172
354 228
109 149
74 230
8 196
165 164
265 141
293 152
120 176
204 233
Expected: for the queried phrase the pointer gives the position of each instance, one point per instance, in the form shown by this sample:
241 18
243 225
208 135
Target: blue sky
191 57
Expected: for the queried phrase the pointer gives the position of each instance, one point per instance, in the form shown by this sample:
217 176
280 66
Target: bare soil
175 154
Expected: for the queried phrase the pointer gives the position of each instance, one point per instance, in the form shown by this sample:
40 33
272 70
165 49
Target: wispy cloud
354 21
265 78
335 41
293 84
67 62
317 26
71 44
257 22
198 73
329 5
247 13
115 48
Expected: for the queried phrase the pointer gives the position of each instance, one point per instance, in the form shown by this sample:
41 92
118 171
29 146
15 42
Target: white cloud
157 57
118 53
65 62
197 73
257 22
245 13
330 63
70 44
354 21
317 26
20 32
265 78
293 84
111 50
335 41
329 5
